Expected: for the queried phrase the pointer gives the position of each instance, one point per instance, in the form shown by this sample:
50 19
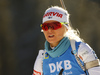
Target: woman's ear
66 29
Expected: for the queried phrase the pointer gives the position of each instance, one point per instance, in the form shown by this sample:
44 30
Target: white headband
56 13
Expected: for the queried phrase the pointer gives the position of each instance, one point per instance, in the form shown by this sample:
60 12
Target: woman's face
54 36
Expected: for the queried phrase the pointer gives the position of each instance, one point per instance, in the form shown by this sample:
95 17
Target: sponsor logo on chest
59 65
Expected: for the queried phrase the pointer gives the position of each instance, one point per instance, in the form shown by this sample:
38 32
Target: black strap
61 71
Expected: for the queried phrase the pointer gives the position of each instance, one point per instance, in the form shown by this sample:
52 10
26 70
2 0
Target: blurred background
20 32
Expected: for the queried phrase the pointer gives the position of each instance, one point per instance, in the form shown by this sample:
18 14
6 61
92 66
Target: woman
58 57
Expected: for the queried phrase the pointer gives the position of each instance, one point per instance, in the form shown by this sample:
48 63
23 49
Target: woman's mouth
51 36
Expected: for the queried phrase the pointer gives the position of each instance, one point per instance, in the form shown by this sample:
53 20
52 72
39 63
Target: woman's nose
50 28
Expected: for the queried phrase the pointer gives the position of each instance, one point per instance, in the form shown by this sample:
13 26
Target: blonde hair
73 34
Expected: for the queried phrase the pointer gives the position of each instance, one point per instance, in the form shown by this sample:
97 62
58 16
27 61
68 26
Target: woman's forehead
50 21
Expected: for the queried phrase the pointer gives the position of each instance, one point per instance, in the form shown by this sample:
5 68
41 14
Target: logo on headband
53 14
49 17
